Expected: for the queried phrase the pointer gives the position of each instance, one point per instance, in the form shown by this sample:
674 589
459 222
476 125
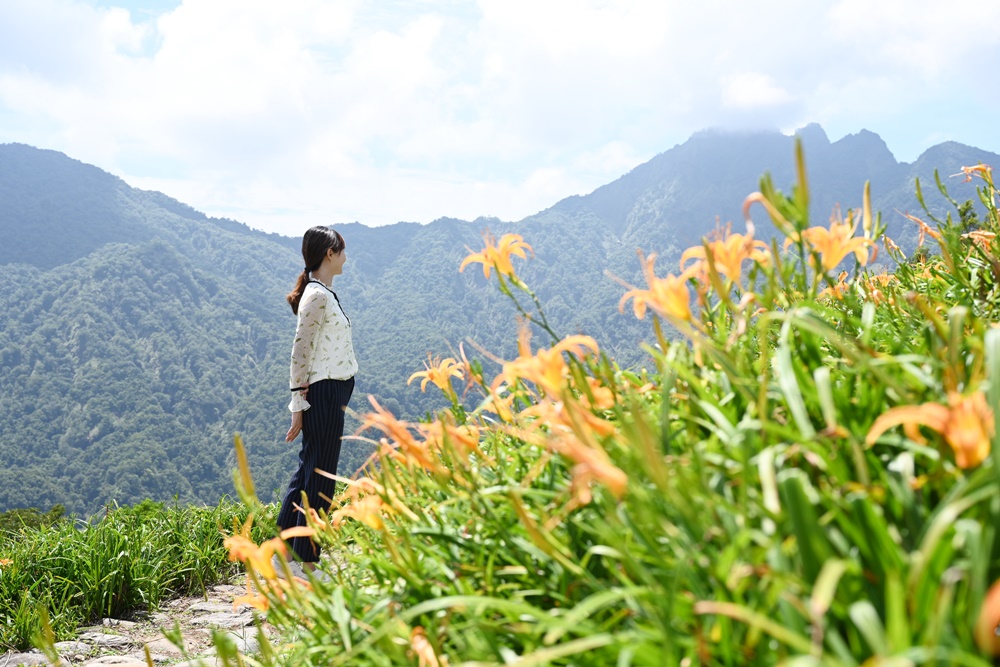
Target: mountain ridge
138 334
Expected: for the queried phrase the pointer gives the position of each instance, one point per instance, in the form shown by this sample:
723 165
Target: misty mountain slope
674 198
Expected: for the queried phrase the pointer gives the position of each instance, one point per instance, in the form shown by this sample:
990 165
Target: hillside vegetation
69 574
810 476
137 334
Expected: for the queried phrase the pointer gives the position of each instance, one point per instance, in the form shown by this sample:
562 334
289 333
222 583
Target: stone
117 622
118 660
245 643
224 620
204 661
25 659
105 640
226 589
90 628
163 645
211 607
72 647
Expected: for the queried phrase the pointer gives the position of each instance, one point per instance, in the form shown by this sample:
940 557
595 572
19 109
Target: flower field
807 474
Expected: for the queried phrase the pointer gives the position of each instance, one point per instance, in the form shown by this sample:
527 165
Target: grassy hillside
128 559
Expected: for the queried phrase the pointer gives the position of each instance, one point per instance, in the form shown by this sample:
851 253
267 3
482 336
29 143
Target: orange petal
989 619
297 531
932 415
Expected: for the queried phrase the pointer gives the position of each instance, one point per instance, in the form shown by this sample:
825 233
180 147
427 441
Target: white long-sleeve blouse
323 348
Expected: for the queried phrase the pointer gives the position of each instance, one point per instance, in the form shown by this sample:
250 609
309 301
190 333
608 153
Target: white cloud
752 90
287 114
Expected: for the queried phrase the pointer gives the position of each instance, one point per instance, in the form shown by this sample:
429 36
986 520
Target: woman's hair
315 243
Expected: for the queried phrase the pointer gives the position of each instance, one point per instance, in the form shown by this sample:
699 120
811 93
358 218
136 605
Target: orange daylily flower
358 488
299 531
837 242
875 288
257 558
497 255
728 254
367 510
572 434
252 598
838 290
890 245
925 229
546 368
464 438
592 465
386 422
472 376
440 373
982 170
501 406
604 398
413 453
422 648
668 296
402 443
966 424
568 416
988 621
981 238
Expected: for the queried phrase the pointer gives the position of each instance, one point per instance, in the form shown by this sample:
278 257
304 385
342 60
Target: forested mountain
137 334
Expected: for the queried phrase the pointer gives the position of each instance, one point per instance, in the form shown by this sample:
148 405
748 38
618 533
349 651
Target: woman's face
337 259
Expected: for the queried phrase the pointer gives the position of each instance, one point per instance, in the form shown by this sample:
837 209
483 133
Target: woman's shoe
320 575
294 566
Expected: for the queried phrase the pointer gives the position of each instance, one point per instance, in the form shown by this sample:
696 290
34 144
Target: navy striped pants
322 429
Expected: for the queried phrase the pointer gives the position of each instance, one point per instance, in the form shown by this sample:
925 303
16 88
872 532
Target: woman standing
322 380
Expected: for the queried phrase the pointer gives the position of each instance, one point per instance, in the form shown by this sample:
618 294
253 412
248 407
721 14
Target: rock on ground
120 642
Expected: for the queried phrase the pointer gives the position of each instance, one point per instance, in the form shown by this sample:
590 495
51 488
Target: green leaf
826 587
787 381
898 628
992 343
756 620
584 609
824 391
798 508
868 623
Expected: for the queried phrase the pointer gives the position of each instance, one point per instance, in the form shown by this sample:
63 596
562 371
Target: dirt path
120 641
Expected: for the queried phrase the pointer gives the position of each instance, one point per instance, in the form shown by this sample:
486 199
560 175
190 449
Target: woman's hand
295 428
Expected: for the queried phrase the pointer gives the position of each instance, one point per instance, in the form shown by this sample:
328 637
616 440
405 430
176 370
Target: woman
322 380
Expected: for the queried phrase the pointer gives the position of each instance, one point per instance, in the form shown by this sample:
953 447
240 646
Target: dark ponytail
315 243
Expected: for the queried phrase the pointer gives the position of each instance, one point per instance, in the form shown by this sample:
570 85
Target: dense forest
137 335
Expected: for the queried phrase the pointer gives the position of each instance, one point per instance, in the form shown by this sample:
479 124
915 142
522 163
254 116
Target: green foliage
13 522
809 477
127 559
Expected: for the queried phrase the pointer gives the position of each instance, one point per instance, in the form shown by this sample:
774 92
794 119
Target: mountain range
138 334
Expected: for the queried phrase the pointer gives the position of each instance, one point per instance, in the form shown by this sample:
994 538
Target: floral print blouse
323 348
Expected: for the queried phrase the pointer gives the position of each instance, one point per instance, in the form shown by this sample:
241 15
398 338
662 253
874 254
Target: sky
283 115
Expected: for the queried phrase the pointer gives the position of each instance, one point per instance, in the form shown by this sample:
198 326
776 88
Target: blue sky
288 114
